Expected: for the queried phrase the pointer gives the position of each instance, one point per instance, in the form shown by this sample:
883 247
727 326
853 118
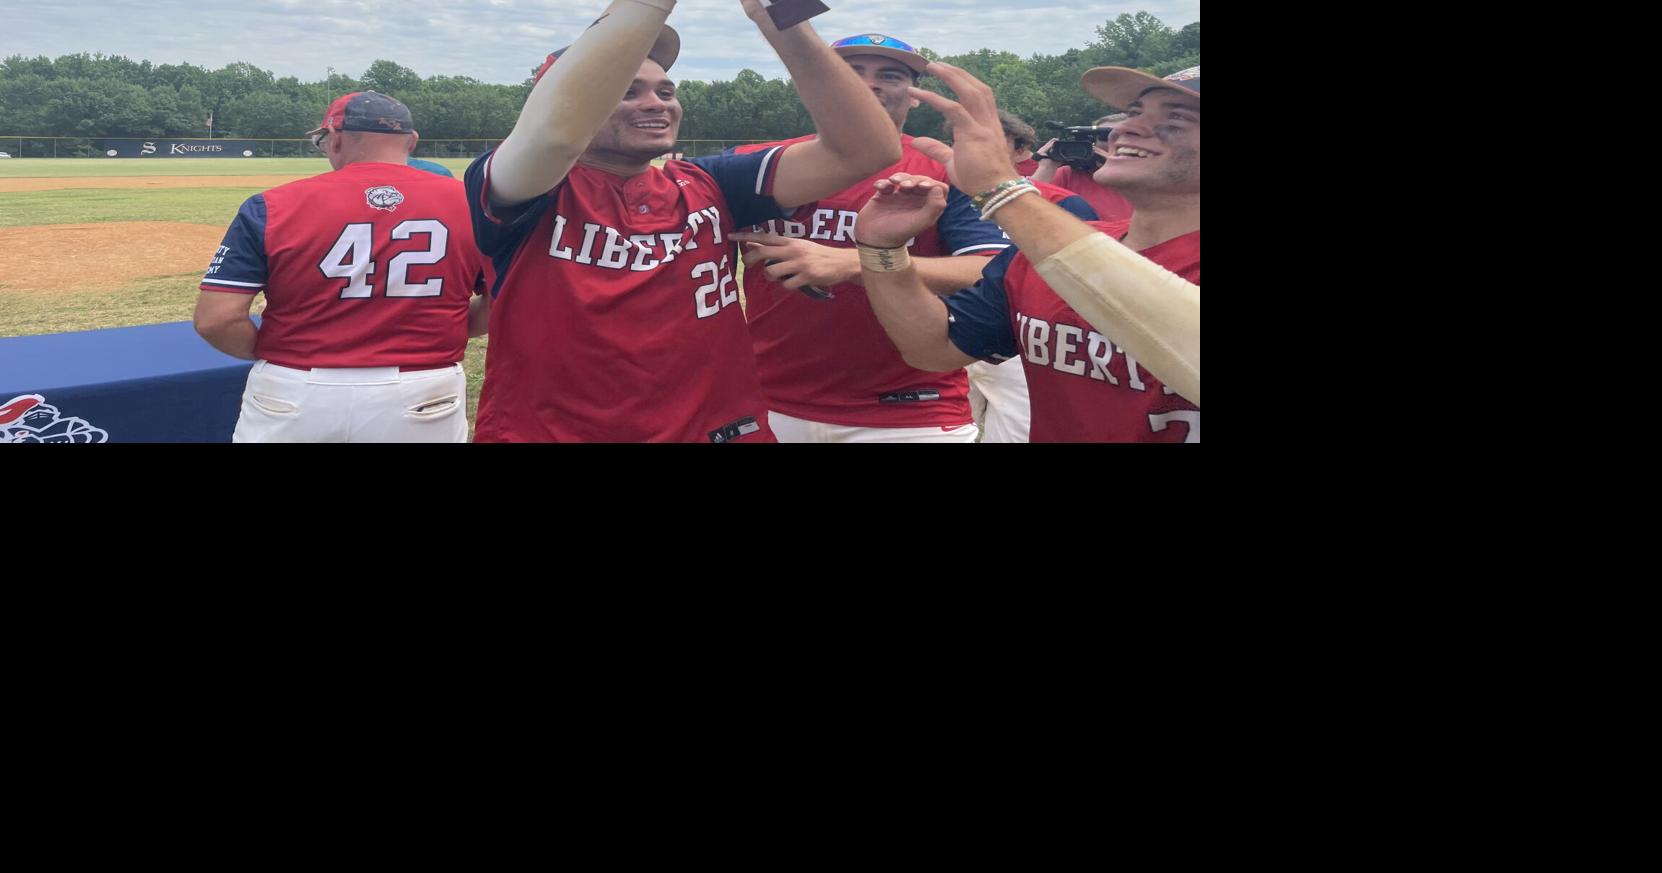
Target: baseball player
1105 316
369 273
616 317
998 390
827 370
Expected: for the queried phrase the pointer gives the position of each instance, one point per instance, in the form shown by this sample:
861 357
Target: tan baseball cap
1120 87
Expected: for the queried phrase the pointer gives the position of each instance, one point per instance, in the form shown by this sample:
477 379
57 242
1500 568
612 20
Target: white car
4 155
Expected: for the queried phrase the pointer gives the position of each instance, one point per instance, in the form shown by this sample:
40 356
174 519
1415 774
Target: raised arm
856 137
573 99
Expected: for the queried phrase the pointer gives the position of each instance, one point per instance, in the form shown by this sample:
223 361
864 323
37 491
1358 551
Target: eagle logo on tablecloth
28 418
385 197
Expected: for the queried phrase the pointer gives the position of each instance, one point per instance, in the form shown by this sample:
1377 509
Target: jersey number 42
352 259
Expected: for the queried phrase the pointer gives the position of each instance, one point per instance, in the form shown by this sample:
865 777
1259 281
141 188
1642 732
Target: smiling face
645 124
1156 149
888 79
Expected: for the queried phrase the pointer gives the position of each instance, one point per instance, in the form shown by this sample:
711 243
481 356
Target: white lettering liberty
1067 344
693 221
1058 345
614 254
715 221
1131 374
554 248
589 230
672 246
1038 341
1101 353
639 253
644 248
845 226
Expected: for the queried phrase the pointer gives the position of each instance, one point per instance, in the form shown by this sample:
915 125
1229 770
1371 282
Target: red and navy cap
664 50
882 46
366 111
1122 86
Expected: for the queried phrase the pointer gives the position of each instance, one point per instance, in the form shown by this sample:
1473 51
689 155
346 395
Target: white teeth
1128 151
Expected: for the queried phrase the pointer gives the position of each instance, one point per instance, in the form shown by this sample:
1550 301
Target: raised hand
979 158
904 206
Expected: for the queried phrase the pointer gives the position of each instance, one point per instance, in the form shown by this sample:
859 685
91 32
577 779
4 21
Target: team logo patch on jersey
384 197
28 418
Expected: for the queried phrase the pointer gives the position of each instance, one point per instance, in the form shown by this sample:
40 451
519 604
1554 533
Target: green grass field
153 299
211 206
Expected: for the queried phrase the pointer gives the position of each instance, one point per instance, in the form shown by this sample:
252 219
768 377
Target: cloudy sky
503 40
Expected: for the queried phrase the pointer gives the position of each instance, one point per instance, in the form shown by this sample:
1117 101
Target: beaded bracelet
1000 201
980 200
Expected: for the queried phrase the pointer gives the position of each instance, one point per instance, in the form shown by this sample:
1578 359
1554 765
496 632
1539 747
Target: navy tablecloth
155 383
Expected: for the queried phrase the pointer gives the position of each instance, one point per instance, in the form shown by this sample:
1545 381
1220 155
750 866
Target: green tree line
92 95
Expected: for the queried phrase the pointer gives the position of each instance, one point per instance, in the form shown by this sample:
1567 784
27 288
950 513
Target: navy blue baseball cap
1122 86
882 46
366 111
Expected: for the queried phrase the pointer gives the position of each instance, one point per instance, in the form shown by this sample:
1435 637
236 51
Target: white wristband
880 260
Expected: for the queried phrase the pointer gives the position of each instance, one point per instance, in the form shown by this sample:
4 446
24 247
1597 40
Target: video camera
1076 146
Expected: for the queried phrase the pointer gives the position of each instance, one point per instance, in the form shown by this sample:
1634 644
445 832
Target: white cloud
503 40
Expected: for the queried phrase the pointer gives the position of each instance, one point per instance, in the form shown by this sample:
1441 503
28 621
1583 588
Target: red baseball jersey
829 359
371 265
615 316
1083 387
1108 204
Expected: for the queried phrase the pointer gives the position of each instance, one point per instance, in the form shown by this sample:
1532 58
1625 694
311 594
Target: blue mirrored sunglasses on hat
885 46
873 39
